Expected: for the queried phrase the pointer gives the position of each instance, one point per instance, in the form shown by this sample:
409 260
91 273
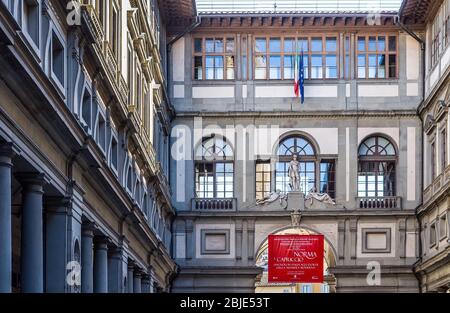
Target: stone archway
262 284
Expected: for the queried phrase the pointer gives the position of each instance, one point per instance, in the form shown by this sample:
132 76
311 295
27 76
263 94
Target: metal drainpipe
423 50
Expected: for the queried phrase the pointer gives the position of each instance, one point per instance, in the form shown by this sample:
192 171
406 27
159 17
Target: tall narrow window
130 73
214 169
115 33
101 132
328 178
316 57
114 153
244 57
376 168
31 19
260 58
58 59
331 57
262 179
443 149
347 57
433 160
86 110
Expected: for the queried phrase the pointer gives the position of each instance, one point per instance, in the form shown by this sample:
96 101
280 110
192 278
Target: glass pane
303 44
198 45
316 44
381 66
230 45
260 45
381 43
331 44
219 45
316 66
392 66
275 67
209 45
275 45
260 67
230 67
361 44
289 44
288 67
392 43
306 65
372 43
198 67
361 66
331 66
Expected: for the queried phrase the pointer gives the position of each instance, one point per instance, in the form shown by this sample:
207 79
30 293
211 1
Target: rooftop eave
290 19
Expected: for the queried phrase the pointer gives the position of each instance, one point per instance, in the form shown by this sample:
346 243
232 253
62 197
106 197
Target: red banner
295 258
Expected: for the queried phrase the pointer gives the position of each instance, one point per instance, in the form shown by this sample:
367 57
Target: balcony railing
96 24
213 204
379 202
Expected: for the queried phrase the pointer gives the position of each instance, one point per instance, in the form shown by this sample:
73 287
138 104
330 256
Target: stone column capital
101 242
87 229
32 181
6 154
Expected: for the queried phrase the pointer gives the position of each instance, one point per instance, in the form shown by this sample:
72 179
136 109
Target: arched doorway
263 286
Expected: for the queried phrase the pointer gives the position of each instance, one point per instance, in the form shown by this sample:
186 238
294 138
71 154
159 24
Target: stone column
57 210
6 155
101 265
130 276
32 246
115 271
137 281
145 284
87 258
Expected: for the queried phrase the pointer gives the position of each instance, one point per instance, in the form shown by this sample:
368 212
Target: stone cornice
308 115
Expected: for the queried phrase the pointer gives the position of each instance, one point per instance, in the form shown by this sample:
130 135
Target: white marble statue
321 197
272 197
294 177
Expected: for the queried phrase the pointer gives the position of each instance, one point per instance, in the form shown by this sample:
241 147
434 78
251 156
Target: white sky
296 5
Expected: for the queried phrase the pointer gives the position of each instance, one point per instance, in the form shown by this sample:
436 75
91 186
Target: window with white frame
115 31
86 110
113 157
58 59
31 20
214 169
101 131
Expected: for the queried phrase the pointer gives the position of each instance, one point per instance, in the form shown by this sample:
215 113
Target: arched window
214 169
306 156
376 168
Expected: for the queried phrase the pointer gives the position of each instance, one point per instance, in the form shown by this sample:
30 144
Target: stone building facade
84 126
433 266
144 147
357 135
